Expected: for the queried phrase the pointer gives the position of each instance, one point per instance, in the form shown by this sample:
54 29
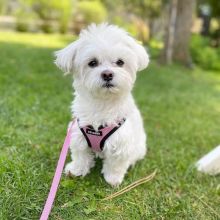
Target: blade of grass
208 206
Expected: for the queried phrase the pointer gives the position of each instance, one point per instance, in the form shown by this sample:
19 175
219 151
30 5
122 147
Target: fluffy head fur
106 44
104 61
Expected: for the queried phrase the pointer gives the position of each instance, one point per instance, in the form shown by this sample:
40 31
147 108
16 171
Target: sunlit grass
37 40
180 109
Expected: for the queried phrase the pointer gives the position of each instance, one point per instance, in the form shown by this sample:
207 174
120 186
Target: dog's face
104 61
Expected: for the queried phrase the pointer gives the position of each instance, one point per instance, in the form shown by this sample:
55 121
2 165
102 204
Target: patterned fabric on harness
96 139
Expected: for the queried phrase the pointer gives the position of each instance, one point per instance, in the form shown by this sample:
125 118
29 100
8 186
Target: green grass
181 111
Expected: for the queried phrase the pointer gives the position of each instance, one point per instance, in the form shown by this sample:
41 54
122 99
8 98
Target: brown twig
131 186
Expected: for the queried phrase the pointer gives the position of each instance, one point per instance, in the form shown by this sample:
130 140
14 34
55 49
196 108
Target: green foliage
180 109
2 6
54 10
50 12
154 48
65 13
215 5
203 54
47 27
91 11
144 11
21 22
136 27
24 16
145 8
130 27
21 26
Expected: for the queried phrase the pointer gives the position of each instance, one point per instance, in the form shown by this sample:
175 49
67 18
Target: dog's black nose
107 75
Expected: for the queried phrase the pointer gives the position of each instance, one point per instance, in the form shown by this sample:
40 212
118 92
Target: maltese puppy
104 61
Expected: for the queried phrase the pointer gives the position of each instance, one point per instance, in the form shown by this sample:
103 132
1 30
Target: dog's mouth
110 88
108 85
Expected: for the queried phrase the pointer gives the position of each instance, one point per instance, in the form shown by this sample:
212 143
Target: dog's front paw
113 179
76 169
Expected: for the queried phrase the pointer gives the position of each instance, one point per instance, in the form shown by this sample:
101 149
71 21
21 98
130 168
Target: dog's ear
65 57
141 53
143 57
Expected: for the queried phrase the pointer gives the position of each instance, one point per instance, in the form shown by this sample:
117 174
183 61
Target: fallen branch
131 186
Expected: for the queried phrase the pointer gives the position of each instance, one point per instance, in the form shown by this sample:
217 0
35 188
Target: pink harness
96 139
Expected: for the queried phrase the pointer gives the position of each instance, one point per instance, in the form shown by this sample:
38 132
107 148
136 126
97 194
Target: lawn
181 111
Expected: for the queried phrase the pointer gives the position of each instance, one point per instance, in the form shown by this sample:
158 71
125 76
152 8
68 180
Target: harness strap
96 139
56 179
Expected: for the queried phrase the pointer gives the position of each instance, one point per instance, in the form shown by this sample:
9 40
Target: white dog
104 61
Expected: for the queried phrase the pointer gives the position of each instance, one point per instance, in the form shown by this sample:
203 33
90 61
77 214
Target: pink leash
56 179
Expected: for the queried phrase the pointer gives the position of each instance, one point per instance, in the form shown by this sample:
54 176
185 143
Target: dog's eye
93 63
120 62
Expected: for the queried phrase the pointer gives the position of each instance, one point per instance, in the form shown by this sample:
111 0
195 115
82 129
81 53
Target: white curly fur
97 105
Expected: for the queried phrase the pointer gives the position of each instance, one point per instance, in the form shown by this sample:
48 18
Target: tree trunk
178 32
184 17
167 53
